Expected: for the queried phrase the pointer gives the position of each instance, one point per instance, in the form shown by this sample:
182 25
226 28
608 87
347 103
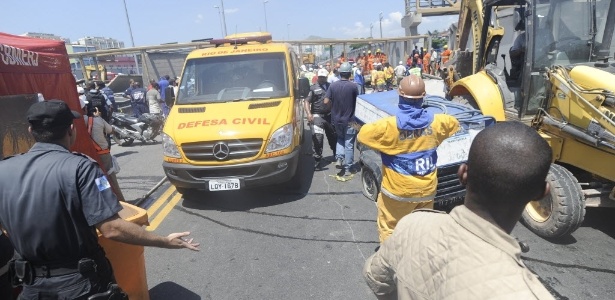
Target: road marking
160 201
164 212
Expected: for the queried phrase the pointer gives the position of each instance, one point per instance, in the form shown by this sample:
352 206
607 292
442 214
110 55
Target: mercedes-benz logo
221 150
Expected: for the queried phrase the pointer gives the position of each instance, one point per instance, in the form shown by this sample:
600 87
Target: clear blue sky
157 21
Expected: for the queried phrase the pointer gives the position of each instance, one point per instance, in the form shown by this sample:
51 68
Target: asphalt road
275 243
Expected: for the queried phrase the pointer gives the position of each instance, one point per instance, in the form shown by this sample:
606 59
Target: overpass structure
417 9
167 59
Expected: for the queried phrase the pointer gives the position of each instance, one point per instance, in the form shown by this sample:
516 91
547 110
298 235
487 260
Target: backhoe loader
548 64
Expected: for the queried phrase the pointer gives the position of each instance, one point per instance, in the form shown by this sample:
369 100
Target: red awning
32 66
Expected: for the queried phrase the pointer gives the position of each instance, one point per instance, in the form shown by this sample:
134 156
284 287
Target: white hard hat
80 90
323 73
303 67
401 62
354 65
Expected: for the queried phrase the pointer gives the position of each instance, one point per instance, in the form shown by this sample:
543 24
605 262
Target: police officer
319 116
138 99
51 203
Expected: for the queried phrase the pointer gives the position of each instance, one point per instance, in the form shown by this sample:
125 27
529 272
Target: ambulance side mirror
304 87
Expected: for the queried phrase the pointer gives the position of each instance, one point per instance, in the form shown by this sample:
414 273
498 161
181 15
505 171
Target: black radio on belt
21 272
86 266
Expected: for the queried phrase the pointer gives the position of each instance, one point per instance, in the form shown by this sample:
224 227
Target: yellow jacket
408 157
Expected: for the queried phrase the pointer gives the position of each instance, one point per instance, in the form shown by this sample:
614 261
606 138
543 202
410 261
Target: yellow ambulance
237 121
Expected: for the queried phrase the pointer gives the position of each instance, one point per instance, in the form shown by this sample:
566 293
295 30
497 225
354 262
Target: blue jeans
346 136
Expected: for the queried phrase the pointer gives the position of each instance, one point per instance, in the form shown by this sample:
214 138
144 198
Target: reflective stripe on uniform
407 199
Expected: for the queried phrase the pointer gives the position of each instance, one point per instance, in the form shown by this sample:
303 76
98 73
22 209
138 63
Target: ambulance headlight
169 147
280 139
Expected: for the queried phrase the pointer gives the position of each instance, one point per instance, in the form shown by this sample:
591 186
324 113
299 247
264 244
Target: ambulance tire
370 185
562 211
183 191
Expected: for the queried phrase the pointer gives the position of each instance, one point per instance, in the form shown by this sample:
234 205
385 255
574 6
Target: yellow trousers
391 211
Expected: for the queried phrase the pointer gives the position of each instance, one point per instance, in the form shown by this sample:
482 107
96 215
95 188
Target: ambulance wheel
559 213
371 187
122 141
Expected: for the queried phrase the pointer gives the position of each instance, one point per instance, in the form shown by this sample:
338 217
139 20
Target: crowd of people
473 236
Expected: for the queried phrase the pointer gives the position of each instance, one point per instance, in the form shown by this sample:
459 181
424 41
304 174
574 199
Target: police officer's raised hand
177 241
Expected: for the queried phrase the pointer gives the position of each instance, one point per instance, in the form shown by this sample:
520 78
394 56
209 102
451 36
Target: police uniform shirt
317 99
50 200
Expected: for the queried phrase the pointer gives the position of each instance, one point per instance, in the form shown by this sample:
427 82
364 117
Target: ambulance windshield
234 78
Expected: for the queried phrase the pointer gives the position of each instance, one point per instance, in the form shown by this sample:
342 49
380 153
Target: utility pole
265 9
380 24
220 18
223 16
371 26
288 31
132 40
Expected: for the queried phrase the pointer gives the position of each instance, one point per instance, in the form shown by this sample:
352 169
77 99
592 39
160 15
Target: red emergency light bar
241 40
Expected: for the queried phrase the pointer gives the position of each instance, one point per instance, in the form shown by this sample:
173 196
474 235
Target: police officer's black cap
51 113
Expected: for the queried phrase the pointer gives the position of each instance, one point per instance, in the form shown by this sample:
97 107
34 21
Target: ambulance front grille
450 191
237 149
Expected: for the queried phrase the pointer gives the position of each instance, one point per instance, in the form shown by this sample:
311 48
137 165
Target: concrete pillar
410 23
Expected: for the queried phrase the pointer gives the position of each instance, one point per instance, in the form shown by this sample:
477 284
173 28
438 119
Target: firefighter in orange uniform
426 61
446 54
370 62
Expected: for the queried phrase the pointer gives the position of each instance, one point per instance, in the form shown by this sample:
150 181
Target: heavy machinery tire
371 188
562 211
466 100
122 141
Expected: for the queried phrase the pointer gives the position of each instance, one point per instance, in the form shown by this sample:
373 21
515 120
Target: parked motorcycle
126 128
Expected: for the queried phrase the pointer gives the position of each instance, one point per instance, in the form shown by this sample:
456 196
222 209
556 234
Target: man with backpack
97 99
108 92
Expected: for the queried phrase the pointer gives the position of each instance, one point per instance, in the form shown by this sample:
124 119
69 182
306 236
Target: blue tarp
387 102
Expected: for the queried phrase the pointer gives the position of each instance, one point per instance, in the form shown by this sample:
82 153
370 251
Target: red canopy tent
29 66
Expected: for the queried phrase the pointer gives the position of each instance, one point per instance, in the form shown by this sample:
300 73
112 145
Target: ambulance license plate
224 185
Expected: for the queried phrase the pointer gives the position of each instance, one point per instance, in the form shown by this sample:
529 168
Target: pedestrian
407 143
319 117
379 78
128 94
433 62
61 199
137 96
359 79
400 72
154 101
469 253
97 100
388 76
101 86
342 96
99 130
334 76
426 62
164 83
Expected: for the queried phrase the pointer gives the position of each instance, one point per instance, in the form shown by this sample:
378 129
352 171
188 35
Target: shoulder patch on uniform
102 183
84 155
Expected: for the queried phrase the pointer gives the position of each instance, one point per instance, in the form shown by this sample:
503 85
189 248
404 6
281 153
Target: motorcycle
126 128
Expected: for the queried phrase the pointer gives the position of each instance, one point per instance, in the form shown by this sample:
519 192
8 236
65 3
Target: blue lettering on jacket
418 163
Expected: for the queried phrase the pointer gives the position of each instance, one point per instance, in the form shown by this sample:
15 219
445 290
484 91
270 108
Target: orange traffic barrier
128 261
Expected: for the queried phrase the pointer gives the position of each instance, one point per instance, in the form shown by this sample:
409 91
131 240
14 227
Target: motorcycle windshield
573 31
234 78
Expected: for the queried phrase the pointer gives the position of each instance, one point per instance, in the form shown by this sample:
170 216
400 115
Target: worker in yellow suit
407 143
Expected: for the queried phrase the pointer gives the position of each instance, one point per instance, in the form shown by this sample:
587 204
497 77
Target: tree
437 42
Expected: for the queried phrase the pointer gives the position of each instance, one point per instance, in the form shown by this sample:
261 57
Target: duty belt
48 271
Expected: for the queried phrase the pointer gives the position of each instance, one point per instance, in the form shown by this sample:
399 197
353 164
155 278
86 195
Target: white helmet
302 67
311 69
401 62
323 73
